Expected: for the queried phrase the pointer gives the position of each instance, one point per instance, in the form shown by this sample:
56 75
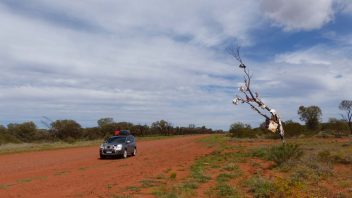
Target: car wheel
102 157
134 152
124 155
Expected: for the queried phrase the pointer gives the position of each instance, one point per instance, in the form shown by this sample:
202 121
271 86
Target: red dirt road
78 172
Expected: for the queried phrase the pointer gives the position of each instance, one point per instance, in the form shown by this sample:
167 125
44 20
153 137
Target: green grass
198 171
299 169
216 159
184 189
24 180
109 186
160 176
260 187
189 185
280 154
173 175
83 168
339 157
158 137
224 177
231 167
222 190
283 153
134 188
59 173
4 186
122 196
147 183
28 147
215 140
164 192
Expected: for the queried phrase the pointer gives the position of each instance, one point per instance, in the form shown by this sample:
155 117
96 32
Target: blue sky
142 61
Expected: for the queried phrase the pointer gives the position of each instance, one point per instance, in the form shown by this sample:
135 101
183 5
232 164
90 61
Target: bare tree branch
251 98
234 51
257 110
346 105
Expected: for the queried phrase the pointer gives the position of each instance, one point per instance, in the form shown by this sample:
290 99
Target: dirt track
78 172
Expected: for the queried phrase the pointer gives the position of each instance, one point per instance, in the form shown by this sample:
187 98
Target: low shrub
259 152
321 171
224 177
342 159
260 187
293 128
198 173
284 153
231 167
325 134
222 190
173 175
241 130
324 156
189 185
6 138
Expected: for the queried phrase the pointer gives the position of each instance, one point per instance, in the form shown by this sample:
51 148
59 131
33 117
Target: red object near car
117 132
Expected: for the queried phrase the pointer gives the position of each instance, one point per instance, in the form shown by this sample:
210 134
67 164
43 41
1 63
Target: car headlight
118 147
102 146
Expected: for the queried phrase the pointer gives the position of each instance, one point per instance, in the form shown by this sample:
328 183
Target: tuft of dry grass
26 147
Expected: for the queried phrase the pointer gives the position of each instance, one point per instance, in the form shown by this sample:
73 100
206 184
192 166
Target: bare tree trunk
349 119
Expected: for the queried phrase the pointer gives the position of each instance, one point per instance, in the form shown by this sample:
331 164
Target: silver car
118 146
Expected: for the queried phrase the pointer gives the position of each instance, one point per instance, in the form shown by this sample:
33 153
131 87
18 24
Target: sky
146 60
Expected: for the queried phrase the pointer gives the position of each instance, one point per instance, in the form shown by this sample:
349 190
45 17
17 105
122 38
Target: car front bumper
110 152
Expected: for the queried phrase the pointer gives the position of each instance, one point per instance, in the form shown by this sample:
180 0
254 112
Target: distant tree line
70 130
311 116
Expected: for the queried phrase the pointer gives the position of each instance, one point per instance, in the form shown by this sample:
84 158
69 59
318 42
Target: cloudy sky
146 60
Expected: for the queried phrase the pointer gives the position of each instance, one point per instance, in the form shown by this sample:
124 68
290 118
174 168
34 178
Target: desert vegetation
71 131
304 167
313 126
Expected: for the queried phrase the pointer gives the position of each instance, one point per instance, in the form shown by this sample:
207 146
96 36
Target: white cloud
345 6
340 39
204 22
143 61
298 14
319 75
134 69
308 56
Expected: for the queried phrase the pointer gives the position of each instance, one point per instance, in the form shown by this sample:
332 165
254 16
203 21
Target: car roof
120 136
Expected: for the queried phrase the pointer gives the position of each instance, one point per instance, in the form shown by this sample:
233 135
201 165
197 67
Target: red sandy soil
78 172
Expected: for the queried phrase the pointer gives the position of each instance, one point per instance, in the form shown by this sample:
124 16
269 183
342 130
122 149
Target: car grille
108 150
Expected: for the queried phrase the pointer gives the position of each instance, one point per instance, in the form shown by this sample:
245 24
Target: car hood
111 144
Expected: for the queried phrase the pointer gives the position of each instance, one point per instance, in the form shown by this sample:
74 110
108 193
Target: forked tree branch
251 97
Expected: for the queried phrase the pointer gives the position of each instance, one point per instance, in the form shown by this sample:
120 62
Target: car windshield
116 140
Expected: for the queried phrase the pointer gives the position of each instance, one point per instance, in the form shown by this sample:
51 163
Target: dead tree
273 123
49 124
346 105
